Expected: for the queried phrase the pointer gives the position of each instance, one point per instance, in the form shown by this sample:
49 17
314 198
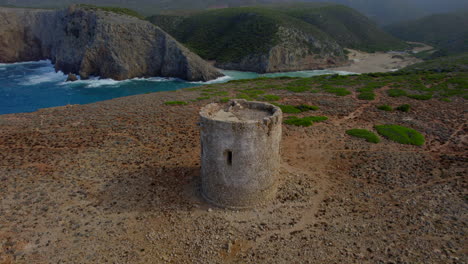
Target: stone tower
240 152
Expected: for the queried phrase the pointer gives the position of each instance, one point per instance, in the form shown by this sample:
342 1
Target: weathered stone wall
240 153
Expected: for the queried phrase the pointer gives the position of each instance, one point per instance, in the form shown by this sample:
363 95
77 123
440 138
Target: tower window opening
229 157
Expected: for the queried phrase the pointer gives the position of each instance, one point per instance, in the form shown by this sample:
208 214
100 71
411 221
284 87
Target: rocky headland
92 42
295 50
277 38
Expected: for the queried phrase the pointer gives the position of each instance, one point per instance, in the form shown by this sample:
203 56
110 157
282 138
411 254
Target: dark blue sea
29 86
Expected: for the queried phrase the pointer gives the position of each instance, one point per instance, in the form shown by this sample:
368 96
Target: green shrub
420 96
305 121
339 91
366 96
363 133
296 88
271 97
245 96
385 108
404 108
219 93
304 107
175 103
295 121
401 134
316 119
290 109
249 94
203 98
224 99
396 92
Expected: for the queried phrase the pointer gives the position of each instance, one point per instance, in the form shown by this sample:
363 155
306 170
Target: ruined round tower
240 156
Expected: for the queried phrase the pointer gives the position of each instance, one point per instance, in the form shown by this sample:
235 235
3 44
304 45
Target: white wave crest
43 75
24 63
96 82
222 79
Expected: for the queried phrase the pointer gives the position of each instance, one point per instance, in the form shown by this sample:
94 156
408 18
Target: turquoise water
29 86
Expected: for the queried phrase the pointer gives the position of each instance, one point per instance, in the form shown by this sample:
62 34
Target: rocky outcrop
72 77
97 43
295 51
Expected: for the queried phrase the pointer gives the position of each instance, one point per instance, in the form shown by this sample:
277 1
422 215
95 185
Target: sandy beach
363 62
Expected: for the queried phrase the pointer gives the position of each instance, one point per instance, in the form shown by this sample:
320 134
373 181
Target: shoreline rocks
72 78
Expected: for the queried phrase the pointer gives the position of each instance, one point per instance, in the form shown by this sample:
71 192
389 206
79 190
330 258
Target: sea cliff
93 42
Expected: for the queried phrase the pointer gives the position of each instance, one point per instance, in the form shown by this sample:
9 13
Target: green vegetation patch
366 96
420 96
175 103
363 133
290 109
116 10
385 108
401 134
203 98
298 86
271 97
339 91
454 63
225 99
305 121
305 107
396 92
404 108
250 94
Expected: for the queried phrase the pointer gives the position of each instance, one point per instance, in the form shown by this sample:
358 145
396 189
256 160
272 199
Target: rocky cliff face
98 43
295 51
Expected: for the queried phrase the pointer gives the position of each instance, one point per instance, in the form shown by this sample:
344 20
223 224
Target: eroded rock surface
90 42
296 51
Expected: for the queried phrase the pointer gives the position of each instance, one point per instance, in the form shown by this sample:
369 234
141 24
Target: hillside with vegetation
453 63
382 11
447 32
347 26
393 11
238 38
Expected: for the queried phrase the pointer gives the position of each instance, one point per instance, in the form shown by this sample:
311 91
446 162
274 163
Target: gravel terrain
117 182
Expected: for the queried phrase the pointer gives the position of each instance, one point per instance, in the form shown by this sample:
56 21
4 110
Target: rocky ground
117 182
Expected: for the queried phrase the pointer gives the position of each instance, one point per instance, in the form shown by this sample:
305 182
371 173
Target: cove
29 86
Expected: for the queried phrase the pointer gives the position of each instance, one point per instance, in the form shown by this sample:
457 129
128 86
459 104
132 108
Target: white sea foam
96 82
222 79
345 72
156 79
45 74
25 62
